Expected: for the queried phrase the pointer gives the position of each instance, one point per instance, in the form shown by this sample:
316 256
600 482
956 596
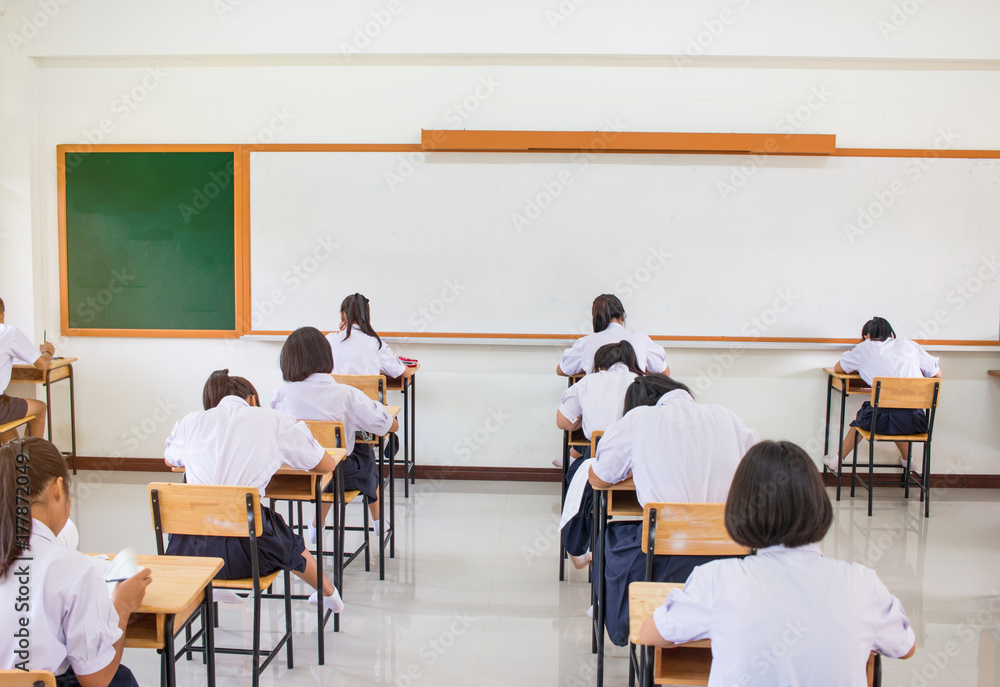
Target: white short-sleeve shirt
320 397
14 345
580 357
889 358
236 444
677 451
787 617
67 608
360 354
599 398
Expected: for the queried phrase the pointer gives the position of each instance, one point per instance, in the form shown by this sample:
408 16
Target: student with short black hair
311 393
608 316
676 451
594 403
14 345
881 354
75 630
235 442
357 348
828 615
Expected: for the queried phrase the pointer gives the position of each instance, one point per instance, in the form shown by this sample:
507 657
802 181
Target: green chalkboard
150 240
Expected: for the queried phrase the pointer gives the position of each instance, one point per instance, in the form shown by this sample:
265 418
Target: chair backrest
916 393
373 386
27 678
203 509
595 438
687 529
328 434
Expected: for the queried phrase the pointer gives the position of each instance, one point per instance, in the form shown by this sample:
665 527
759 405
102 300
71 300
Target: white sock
226 596
333 602
311 534
377 526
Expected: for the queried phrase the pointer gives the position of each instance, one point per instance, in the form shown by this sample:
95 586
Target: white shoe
226 596
590 612
914 465
311 535
377 527
581 562
557 463
334 602
830 462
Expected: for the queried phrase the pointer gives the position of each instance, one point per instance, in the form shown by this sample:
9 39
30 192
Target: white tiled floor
473 598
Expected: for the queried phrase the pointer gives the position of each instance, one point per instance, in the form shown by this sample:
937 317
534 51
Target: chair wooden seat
27 678
14 424
348 496
246 582
865 434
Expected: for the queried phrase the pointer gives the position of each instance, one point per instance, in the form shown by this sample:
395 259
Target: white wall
220 76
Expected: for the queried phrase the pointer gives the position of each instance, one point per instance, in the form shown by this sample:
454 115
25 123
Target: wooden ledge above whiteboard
443 140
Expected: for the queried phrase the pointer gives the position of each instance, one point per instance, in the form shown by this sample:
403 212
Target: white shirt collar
675 396
42 530
781 549
232 399
320 378
619 367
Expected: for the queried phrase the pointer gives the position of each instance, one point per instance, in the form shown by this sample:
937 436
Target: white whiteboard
437 242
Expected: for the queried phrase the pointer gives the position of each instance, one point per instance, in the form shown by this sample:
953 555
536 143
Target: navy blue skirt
278 548
576 533
123 677
360 472
891 420
626 563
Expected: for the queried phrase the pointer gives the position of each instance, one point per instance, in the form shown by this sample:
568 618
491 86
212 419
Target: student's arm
568 425
372 416
685 615
569 416
23 349
390 363
296 445
839 369
572 360
44 361
929 365
893 635
327 464
126 598
650 636
656 358
173 454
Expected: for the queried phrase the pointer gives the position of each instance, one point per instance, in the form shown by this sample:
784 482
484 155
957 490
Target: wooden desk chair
690 663
27 678
217 511
332 435
374 386
14 424
683 529
913 393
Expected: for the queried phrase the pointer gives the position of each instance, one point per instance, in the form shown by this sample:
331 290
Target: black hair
647 390
878 329
777 497
357 312
306 351
220 385
621 352
606 307
2 308
27 467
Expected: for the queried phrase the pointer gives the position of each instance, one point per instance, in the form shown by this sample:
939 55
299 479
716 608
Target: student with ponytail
310 393
608 315
357 348
75 629
881 354
235 442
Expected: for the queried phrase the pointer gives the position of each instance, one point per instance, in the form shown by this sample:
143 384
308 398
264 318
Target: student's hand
129 593
47 348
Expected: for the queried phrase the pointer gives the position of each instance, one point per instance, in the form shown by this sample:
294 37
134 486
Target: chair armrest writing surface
29 374
643 599
847 382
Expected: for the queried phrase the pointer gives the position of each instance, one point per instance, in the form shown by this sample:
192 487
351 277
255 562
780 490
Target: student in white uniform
826 615
310 393
58 615
609 327
881 354
677 451
14 345
357 349
234 442
594 403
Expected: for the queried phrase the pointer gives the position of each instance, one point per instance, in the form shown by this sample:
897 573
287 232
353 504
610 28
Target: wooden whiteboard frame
493 142
241 240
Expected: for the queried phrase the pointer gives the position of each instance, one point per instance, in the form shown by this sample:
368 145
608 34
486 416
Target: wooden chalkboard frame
241 234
